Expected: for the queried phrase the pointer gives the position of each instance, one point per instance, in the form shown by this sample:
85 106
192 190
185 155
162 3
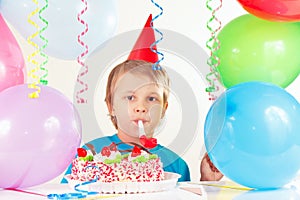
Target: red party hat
141 49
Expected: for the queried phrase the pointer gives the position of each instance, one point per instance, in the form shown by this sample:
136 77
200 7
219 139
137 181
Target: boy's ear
164 109
109 107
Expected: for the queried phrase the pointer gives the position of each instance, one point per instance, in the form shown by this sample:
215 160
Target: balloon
275 10
10 76
278 194
38 137
11 58
252 49
63 26
251 134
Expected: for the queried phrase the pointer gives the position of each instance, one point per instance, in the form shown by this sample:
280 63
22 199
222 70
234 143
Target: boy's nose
140 109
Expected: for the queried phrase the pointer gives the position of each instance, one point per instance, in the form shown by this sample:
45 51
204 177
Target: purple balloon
38 137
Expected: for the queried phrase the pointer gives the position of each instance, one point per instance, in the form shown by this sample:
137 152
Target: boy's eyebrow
128 91
132 92
155 93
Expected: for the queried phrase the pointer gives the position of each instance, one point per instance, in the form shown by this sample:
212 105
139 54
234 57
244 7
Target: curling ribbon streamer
213 44
222 186
43 79
79 58
32 72
156 64
80 193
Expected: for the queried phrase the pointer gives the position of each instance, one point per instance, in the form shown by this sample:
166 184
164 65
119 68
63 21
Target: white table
211 191
46 189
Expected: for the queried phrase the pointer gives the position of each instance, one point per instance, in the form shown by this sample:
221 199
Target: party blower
146 142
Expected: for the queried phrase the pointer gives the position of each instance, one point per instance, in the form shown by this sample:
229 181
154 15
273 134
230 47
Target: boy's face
135 98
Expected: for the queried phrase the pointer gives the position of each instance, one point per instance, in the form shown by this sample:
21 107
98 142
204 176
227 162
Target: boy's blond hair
160 77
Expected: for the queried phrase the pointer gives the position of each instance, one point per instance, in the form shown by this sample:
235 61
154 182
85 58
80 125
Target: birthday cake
110 165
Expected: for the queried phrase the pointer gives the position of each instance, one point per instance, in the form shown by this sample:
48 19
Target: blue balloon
63 24
252 135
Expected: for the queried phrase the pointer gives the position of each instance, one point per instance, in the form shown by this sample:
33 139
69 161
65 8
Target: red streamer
82 55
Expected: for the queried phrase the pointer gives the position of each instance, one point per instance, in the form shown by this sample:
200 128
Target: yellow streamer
223 186
32 72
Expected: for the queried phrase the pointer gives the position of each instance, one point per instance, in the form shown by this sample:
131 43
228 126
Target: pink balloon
38 137
10 76
11 58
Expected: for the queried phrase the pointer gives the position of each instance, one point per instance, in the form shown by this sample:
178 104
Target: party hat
141 49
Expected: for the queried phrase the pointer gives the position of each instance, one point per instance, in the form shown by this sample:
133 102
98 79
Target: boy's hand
208 171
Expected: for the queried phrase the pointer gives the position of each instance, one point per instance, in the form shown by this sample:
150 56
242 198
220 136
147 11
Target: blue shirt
171 161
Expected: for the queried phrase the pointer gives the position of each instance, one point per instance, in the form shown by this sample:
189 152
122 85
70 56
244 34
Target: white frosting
112 156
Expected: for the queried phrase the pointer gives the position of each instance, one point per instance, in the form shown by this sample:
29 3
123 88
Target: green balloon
253 49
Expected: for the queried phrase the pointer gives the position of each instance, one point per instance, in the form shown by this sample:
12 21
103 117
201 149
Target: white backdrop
187 17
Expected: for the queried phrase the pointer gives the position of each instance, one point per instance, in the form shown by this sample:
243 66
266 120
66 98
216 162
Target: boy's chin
131 134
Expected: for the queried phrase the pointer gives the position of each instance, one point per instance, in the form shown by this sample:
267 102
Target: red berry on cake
136 151
113 146
105 151
81 152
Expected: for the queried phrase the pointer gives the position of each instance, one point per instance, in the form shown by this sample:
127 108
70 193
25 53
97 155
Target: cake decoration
81 152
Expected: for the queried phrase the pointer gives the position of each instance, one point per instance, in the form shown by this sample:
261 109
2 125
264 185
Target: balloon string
156 64
79 58
32 72
43 79
213 44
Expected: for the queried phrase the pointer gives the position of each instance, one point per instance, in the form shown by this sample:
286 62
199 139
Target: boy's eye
130 98
152 99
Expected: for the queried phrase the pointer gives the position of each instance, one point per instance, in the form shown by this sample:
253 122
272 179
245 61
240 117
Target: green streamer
213 45
43 79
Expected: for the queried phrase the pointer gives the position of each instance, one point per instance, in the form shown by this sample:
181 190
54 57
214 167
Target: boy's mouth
137 120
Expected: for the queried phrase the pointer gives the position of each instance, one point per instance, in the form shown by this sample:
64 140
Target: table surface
221 190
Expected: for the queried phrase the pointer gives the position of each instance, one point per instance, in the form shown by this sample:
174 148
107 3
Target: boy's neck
127 138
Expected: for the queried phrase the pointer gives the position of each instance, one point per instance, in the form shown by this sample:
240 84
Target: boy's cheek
128 128
156 111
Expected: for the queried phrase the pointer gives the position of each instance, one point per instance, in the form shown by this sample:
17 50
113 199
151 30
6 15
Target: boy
136 92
